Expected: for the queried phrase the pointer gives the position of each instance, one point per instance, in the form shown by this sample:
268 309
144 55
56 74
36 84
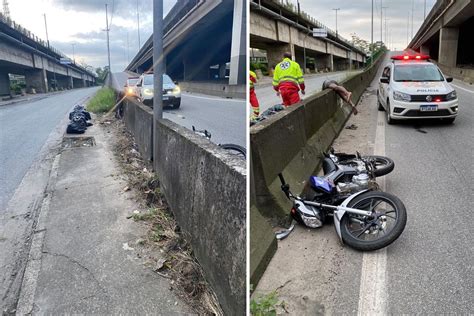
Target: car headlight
176 90
451 96
148 91
400 96
130 91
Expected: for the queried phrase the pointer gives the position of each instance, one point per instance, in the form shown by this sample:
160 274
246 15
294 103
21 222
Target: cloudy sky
82 22
355 17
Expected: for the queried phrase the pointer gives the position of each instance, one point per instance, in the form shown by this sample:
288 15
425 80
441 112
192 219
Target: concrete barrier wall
139 121
206 190
291 142
217 89
464 74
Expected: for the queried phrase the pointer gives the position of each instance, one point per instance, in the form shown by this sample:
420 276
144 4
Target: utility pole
381 23
372 35
408 29
6 10
381 15
138 28
424 11
128 49
412 13
337 9
107 30
158 62
46 27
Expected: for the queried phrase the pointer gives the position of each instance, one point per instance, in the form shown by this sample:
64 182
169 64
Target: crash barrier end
205 187
292 142
263 245
215 89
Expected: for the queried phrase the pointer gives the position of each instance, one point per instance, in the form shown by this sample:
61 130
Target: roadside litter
79 118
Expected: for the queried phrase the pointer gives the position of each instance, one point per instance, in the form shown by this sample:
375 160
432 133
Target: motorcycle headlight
451 96
176 90
400 96
148 91
311 221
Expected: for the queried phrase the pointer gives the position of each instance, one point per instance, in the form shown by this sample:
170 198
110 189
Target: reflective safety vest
253 79
287 71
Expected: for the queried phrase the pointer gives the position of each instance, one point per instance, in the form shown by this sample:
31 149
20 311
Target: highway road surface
25 128
224 118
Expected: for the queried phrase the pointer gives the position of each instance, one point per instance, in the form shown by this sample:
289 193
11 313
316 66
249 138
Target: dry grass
164 235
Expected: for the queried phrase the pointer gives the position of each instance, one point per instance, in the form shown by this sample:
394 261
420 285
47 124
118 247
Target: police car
411 87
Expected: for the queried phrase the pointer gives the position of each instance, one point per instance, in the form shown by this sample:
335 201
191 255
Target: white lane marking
458 87
214 99
373 285
33 266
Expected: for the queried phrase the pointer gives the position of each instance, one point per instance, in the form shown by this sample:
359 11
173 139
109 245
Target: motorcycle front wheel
384 226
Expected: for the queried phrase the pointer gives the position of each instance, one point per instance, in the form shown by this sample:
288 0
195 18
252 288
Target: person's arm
300 79
276 80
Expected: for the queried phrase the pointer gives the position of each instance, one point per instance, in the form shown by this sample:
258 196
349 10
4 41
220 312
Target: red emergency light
410 57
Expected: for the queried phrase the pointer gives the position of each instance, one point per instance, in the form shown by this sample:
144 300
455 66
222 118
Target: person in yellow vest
253 97
288 80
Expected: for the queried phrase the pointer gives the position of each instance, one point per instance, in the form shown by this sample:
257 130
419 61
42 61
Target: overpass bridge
446 35
204 45
277 29
22 53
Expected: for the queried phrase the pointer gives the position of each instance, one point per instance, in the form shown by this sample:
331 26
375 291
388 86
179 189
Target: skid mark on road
373 285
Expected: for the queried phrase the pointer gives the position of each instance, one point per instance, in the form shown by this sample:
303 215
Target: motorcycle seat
328 166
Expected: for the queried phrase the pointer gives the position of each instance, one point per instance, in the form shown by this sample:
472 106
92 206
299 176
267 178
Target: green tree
101 74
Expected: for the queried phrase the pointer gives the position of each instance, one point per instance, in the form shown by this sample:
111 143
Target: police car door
383 87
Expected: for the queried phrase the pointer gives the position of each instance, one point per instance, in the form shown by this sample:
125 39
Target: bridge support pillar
70 82
238 50
275 53
37 79
425 50
4 84
448 46
330 62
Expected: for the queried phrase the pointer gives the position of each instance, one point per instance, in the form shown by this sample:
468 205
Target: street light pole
158 62
138 28
46 27
107 30
337 9
73 55
372 35
412 13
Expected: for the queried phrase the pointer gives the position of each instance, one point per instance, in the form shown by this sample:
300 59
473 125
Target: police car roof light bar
410 57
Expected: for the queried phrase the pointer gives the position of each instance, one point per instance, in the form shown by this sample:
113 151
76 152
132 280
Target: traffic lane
267 95
25 127
225 119
430 268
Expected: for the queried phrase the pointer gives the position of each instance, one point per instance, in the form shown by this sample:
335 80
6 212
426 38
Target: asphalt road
267 96
431 267
25 128
224 118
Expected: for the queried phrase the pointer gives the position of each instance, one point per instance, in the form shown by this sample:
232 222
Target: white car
171 93
411 87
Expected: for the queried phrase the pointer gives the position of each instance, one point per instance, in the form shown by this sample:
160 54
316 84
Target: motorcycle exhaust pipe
284 233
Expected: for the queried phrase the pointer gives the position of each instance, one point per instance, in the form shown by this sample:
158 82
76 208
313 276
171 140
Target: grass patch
264 305
102 101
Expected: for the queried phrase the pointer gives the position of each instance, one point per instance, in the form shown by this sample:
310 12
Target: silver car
171 92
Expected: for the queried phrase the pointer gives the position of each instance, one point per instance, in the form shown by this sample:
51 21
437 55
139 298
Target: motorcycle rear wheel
383 165
368 233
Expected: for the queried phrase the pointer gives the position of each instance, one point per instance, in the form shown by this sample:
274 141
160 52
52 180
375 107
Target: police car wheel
389 120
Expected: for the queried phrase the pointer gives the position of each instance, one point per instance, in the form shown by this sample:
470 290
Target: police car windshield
417 72
148 80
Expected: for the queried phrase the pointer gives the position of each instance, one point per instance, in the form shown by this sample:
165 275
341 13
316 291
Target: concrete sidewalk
85 256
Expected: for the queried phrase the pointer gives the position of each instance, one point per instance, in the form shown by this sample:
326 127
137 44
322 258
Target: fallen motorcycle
365 218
